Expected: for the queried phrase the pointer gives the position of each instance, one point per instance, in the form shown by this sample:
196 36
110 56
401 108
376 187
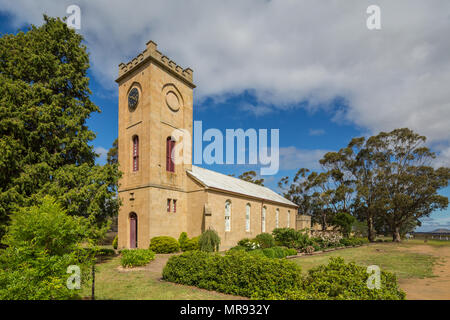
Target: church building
163 198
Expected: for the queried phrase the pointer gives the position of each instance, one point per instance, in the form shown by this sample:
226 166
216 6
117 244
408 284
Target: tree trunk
370 231
396 235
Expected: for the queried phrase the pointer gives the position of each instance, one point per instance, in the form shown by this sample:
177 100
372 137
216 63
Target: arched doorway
133 230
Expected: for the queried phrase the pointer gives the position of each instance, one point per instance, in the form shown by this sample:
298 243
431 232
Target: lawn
388 256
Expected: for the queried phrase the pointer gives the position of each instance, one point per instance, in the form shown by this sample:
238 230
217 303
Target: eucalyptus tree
408 185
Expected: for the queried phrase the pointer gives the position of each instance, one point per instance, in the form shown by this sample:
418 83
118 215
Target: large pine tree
44 140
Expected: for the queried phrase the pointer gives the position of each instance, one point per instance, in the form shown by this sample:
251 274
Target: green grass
387 256
110 283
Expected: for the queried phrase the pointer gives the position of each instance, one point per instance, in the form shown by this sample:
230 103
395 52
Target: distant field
388 256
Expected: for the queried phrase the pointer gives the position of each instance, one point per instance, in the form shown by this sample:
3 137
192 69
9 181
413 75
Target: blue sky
259 65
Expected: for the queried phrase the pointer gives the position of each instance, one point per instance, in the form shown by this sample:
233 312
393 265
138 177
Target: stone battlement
151 53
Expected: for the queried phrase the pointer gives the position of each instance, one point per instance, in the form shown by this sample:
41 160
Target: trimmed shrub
265 240
164 244
347 281
115 242
237 273
190 244
136 257
187 244
209 241
182 238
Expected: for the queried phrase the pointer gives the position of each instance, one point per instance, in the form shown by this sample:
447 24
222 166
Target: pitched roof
212 179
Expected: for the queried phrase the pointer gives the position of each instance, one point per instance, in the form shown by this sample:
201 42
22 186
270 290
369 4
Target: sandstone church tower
155 100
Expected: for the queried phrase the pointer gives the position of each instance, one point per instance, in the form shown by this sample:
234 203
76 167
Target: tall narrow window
170 145
168 204
174 205
135 153
277 217
289 218
227 216
263 220
247 218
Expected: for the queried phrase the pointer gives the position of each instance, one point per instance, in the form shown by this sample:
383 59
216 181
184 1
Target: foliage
187 244
265 240
115 242
353 241
386 180
209 241
112 156
45 142
164 244
255 276
136 257
237 273
249 244
250 176
289 237
347 281
43 241
344 221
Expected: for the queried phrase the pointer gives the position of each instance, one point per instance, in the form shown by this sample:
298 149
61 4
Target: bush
237 273
164 244
353 241
136 257
43 240
104 252
209 241
182 238
265 240
339 280
288 237
249 244
190 244
187 244
115 242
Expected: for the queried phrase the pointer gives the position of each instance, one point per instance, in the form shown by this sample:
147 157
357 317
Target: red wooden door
133 230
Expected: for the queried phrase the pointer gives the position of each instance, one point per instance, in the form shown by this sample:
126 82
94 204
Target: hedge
237 273
164 244
136 257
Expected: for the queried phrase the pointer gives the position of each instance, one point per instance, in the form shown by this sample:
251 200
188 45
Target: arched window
277 217
289 218
263 220
247 217
135 153
170 145
228 215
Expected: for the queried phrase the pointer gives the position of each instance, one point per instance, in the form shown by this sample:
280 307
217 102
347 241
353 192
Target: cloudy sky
310 68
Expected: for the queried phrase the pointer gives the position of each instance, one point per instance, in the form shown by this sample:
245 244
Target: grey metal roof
212 179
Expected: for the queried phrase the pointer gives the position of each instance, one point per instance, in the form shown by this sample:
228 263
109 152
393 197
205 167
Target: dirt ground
436 288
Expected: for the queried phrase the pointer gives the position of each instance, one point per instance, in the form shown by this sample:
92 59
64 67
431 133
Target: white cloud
102 154
286 52
293 158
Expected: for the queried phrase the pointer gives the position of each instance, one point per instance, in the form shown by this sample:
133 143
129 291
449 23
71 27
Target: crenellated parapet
151 53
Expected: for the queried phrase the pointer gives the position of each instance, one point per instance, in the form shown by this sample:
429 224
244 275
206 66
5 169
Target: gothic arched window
135 153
